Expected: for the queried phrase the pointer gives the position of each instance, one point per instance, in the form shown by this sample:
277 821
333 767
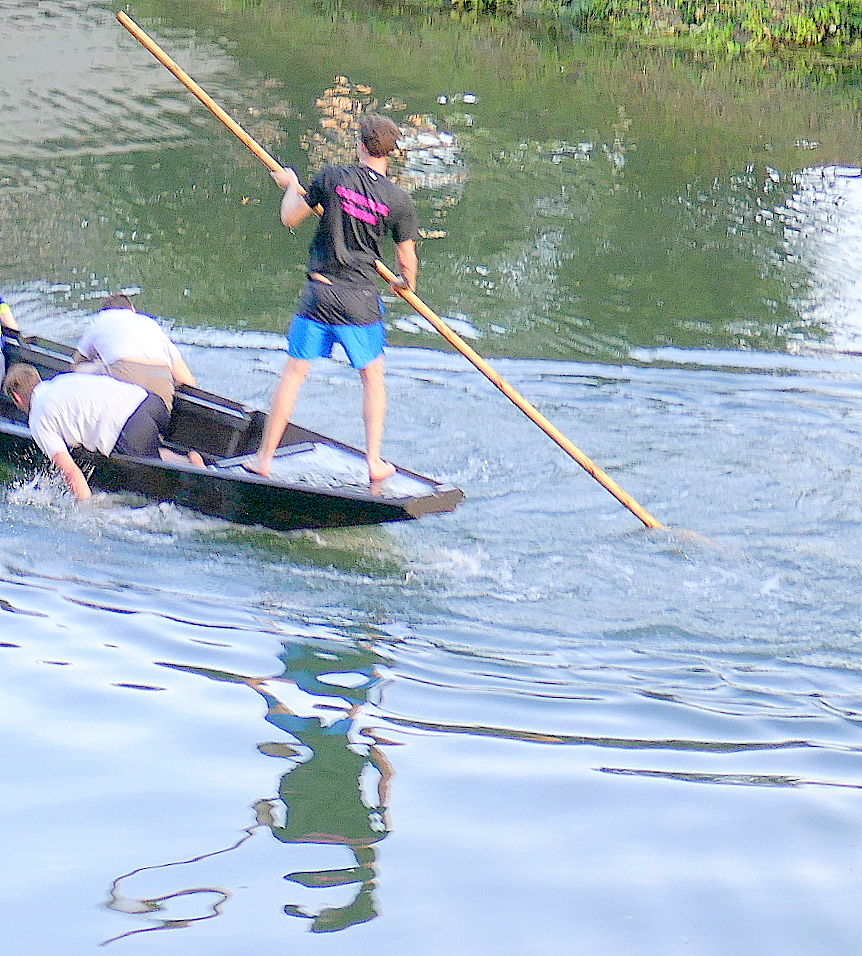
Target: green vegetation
825 29
733 26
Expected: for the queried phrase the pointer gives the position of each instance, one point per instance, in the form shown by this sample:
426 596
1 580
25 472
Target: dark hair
379 135
117 300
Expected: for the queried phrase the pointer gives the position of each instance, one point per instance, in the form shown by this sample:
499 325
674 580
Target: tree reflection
334 791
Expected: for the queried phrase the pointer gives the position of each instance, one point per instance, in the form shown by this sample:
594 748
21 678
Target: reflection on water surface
317 704
522 727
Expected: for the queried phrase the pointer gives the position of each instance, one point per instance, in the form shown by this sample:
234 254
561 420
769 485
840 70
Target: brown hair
379 135
117 300
21 379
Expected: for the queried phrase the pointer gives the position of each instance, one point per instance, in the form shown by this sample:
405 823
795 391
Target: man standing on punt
340 301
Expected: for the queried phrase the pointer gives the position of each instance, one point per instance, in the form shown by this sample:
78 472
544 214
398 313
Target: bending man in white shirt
95 412
133 348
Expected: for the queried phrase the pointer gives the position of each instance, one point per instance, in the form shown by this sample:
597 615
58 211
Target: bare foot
175 458
257 467
380 470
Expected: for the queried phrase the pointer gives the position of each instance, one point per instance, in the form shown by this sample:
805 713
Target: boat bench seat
49 357
214 426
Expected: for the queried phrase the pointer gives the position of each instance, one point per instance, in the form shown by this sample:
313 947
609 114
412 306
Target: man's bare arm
182 373
7 320
408 262
294 208
72 475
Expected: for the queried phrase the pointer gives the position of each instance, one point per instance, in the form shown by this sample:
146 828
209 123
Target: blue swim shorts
308 339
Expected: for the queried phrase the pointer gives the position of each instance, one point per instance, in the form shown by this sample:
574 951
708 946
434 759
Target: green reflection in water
613 198
330 752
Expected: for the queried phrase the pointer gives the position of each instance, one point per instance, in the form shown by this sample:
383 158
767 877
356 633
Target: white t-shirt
116 334
75 409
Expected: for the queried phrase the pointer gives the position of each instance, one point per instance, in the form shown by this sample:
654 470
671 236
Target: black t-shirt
360 208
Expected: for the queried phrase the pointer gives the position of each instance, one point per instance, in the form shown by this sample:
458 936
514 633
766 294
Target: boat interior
217 427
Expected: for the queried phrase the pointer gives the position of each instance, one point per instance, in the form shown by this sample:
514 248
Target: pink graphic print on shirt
361 207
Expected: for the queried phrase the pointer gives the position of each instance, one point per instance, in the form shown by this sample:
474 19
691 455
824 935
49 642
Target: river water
528 727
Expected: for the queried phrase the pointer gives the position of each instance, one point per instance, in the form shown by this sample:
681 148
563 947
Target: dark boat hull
224 431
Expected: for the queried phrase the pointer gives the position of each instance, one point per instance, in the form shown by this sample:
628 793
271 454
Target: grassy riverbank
834 26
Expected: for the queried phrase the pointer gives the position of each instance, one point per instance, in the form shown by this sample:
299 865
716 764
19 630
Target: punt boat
315 482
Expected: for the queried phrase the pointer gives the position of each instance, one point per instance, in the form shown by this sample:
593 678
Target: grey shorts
142 432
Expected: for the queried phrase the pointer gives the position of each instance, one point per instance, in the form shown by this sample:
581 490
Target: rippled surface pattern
527 717
530 726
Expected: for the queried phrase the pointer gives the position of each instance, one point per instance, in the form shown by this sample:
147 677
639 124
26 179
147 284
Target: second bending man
133 348
340 301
